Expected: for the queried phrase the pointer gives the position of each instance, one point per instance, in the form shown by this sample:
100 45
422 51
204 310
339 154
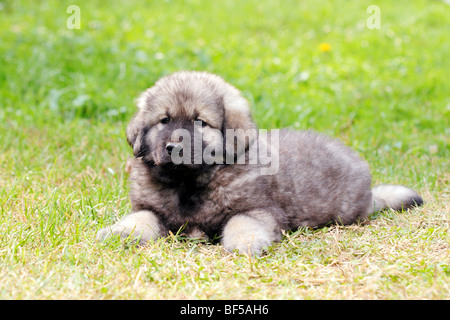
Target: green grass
66 97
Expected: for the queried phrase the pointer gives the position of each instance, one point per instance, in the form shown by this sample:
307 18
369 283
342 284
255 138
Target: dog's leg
141 226
250 233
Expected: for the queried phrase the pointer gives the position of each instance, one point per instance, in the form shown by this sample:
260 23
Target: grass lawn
66 97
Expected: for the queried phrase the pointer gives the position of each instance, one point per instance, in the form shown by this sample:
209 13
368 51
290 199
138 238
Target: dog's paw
140 227
247 235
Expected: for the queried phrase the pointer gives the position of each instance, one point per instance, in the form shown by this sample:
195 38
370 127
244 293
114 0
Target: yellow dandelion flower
324 47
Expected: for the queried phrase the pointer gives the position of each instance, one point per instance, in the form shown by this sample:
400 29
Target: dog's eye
204 124
165 120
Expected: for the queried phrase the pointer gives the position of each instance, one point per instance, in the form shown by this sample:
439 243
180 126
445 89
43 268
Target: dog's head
191 118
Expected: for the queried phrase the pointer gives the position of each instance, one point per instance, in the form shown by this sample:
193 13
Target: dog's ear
238 127
134 134
137 128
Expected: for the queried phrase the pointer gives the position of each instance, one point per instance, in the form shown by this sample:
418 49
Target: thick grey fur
320 181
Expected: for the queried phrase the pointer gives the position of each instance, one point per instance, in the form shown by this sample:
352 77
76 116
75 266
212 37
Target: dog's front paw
141 226
247 235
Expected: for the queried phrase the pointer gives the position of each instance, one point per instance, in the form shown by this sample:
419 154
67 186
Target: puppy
202 166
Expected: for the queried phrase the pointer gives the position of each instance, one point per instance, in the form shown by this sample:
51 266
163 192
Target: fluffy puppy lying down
194 169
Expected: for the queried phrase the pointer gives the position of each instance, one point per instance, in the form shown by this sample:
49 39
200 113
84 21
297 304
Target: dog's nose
171 145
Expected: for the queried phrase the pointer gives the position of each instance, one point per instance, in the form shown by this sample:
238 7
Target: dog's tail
395 197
